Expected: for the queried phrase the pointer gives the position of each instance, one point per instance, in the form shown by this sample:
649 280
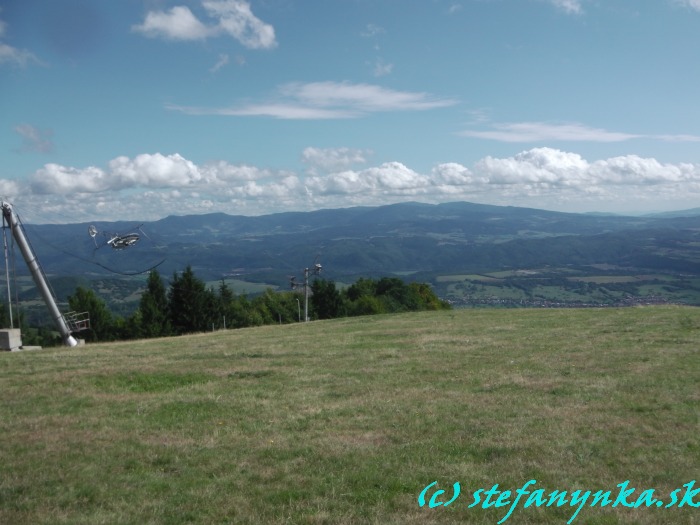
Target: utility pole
7 273
307 271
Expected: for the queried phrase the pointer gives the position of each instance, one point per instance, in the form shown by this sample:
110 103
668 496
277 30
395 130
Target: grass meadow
346 421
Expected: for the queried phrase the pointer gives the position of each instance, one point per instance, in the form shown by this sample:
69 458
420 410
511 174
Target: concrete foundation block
10 339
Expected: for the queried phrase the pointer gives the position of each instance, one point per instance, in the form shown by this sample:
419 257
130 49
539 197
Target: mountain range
421 241
385 239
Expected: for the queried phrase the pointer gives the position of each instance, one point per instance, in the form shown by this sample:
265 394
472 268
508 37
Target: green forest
187 305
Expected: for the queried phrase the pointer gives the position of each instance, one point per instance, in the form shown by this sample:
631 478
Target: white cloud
155 171
389 178
223 60
676 138
10 188
237 19
283 190
540 177
224 173
566 132
57 179
232 17
18 57
543 131
631 170
280 110
177 24
150 186
327 100
362 97
35 139
372 30
575 7
333 159
382 69
454 175
692 4
12 55
544 171
544 166
568 6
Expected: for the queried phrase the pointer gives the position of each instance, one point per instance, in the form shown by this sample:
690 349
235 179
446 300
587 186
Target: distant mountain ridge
680 213
407 237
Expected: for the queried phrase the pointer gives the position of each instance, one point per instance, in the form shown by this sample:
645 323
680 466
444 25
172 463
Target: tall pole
316 270
306 295
7 272
37 273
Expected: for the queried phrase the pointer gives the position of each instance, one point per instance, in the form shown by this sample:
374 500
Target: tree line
187 305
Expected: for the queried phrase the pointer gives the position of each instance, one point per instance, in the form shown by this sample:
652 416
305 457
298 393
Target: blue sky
139 109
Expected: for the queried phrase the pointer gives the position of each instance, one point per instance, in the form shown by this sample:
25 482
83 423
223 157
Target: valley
473 255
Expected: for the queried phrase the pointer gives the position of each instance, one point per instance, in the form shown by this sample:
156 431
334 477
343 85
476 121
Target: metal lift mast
37 273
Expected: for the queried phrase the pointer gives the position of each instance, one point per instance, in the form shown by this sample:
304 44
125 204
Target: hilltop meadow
347 421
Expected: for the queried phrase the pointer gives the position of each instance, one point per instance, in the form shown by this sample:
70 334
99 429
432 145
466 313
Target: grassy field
346 421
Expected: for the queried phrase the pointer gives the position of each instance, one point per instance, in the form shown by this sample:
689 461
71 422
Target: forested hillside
471 254
187 305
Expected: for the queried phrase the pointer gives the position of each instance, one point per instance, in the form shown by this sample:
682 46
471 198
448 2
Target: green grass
345 421
240 287
461 278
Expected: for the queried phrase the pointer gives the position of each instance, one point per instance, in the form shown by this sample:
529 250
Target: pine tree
154 308
224 313
4 317
326 300
101 321
189 303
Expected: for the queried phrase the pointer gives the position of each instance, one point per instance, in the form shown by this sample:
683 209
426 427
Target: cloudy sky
139 109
